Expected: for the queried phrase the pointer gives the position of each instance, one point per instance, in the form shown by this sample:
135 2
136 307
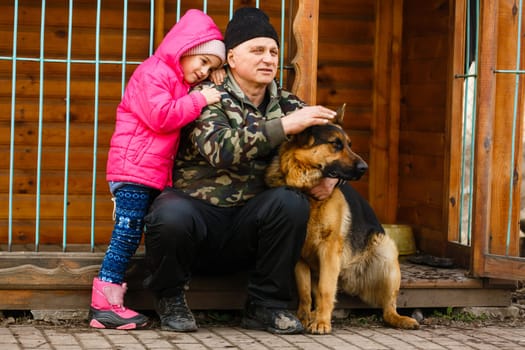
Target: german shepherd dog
331 255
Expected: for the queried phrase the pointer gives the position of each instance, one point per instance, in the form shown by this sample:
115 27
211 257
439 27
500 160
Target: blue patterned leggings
131 205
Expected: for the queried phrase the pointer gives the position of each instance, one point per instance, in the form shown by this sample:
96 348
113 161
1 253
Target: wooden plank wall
346 68
424 69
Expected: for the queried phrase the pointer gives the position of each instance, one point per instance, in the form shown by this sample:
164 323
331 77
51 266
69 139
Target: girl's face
197 68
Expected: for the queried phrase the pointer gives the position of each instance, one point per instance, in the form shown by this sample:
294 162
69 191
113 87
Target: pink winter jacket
156 105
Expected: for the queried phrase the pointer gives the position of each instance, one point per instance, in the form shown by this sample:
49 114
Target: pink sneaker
107 309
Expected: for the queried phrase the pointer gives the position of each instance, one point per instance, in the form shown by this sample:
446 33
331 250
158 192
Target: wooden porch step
61 281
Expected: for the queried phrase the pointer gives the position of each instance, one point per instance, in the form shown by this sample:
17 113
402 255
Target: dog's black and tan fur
330 256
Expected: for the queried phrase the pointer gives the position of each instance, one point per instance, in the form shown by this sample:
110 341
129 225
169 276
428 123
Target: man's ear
230 58
340 114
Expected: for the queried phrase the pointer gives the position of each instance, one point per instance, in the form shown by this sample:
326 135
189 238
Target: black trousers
186 235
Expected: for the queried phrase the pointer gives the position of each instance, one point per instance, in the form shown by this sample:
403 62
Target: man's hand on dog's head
324 189
303 118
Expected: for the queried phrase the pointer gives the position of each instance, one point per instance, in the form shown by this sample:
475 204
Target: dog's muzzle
352 173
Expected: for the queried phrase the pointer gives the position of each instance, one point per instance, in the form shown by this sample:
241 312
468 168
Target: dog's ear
304 138
340 114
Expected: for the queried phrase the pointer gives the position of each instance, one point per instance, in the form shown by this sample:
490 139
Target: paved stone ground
440 329
454 329
27 336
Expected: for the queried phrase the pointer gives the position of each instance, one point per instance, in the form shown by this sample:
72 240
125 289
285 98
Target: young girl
154 108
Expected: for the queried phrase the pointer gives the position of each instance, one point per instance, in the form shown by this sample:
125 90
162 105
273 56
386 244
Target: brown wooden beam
486 97
504 267
384 152
63 281
234 299
160 9
305 29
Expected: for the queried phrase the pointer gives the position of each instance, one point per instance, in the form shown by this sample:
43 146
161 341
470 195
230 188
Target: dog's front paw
402 322
319 327
408 323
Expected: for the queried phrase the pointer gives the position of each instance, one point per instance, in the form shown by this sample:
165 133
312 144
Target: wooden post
481 188
454 122
305 29
384 153
505 204
160 8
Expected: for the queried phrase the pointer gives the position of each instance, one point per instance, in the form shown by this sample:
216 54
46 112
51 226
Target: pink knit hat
212 47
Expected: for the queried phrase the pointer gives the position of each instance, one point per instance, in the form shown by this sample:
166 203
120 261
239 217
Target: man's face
255 61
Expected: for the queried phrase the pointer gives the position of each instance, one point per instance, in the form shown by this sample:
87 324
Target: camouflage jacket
223 154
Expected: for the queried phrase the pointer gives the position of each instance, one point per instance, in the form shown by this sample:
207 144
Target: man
219 215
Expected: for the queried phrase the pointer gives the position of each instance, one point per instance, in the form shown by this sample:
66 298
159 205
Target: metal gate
487 178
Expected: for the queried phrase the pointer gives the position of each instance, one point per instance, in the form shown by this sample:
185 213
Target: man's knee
287 211
292 203
170 216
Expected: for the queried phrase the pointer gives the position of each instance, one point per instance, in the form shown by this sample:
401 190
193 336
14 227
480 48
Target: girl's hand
211 94
218 75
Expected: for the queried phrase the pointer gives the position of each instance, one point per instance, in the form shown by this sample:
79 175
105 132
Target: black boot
273 320
175 314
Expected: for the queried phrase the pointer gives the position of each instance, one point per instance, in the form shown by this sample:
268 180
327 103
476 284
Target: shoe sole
108 319
180 330
185 327
96 324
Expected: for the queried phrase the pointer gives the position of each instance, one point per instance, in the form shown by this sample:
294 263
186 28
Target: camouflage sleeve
227 141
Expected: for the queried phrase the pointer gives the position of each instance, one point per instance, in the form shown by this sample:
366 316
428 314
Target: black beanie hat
248 23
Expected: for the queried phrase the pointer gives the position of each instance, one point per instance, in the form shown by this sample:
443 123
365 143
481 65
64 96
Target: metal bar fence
468 120
516 99
69 60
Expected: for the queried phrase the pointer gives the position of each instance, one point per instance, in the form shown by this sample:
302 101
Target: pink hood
156 105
